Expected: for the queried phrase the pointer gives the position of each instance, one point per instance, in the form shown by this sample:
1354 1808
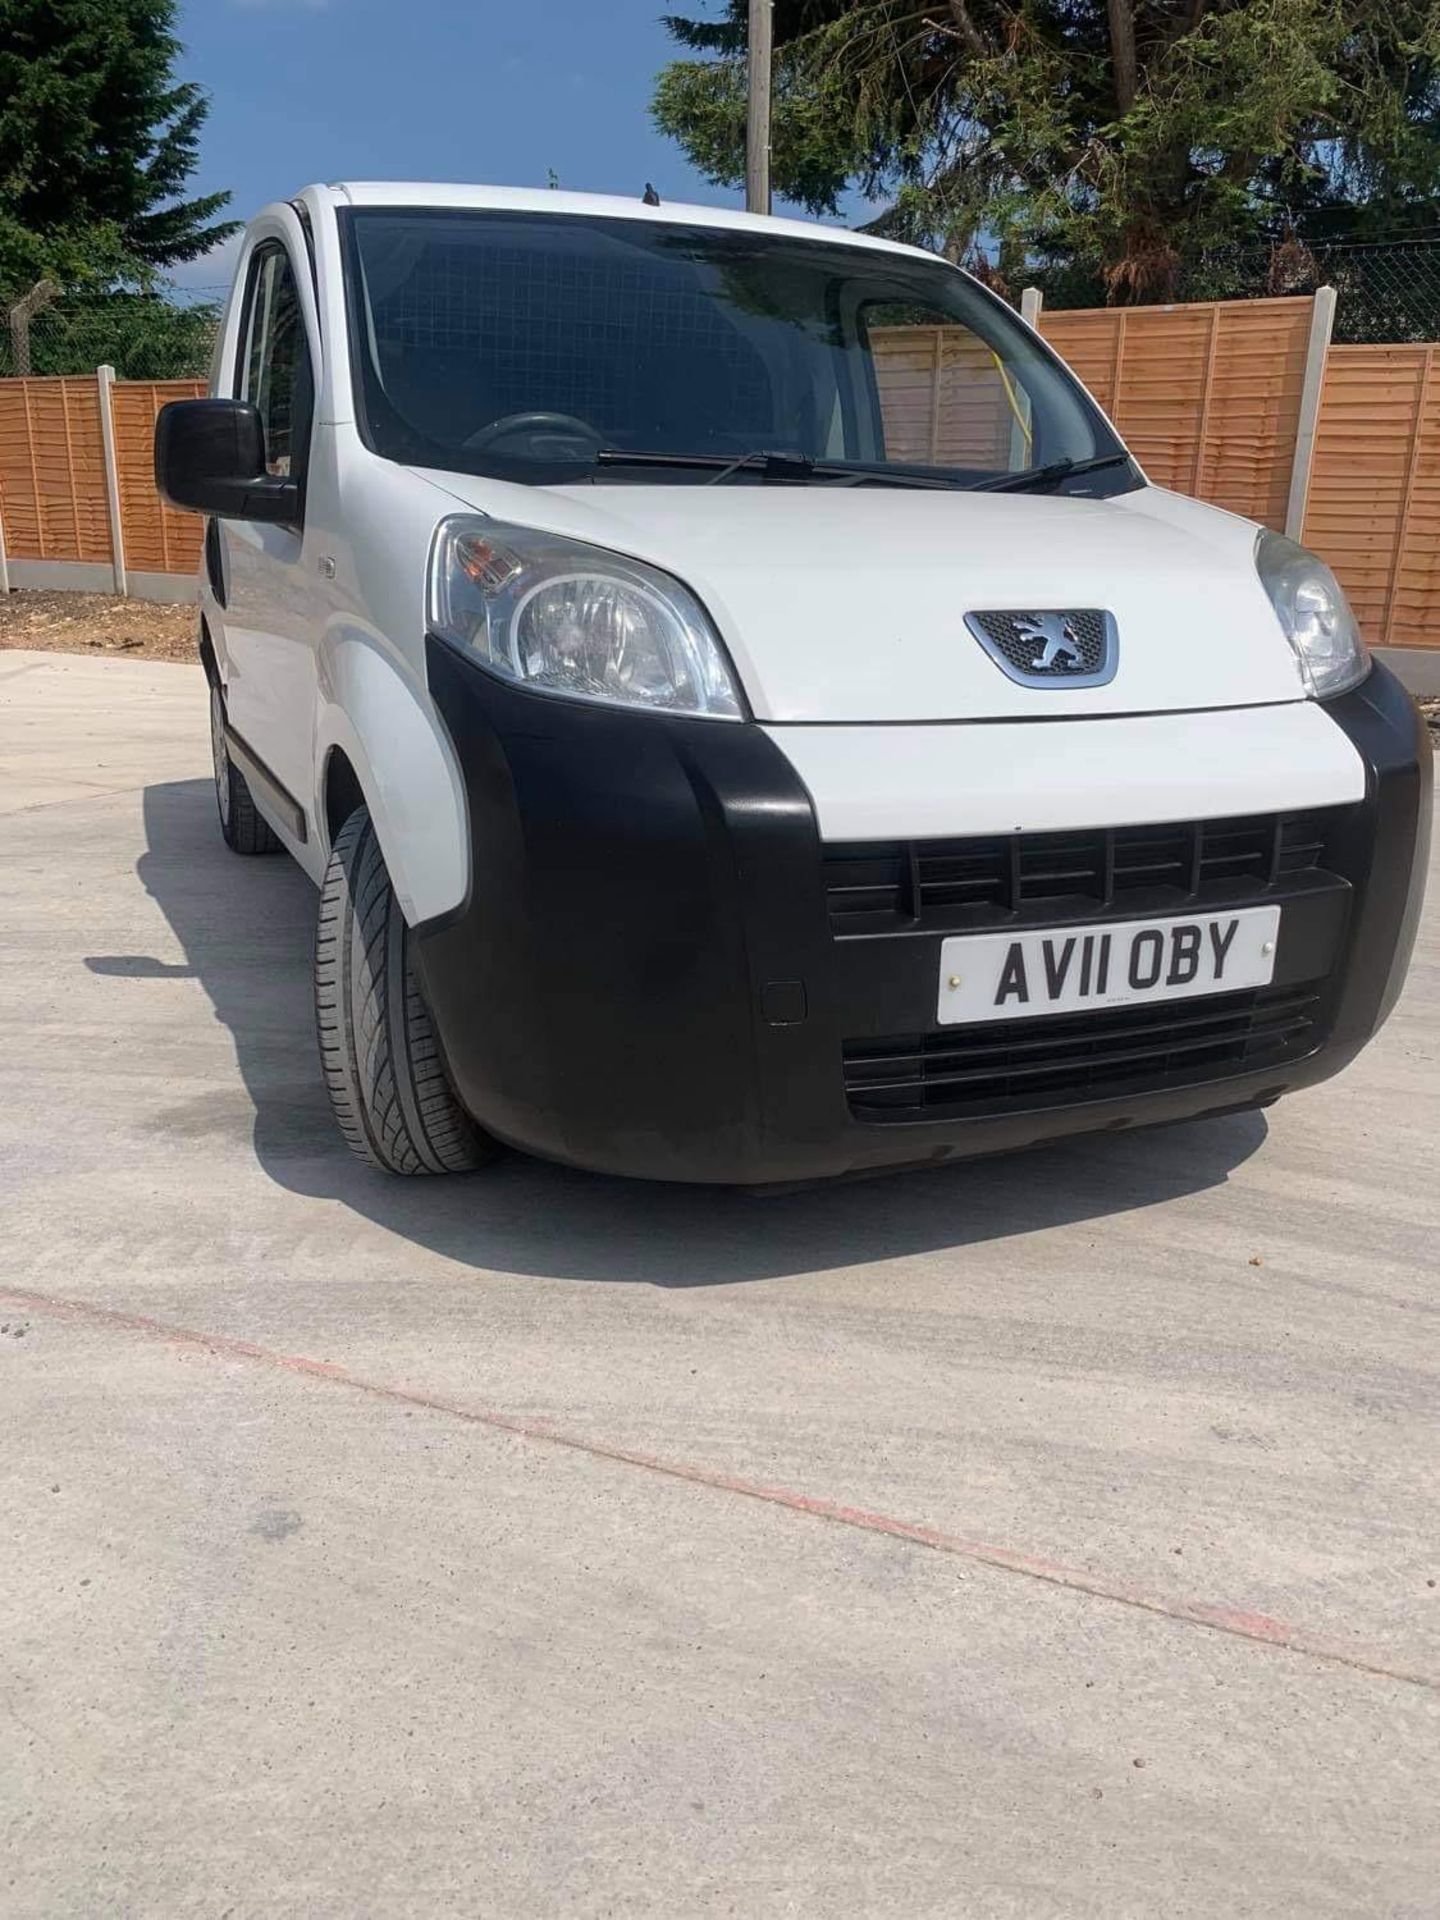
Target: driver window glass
275 370
469 326
945 398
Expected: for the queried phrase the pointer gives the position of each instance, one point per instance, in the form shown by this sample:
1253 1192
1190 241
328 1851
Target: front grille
1058 1059
973 884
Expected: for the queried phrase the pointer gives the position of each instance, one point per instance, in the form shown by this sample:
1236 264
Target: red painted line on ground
1236 1621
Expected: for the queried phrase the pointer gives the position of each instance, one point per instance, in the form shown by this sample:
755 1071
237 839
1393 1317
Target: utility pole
757 107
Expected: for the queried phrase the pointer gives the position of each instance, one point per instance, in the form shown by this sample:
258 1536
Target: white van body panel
887 783
848 604
374 703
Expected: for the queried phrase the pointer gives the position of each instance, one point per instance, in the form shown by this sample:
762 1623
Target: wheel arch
341 792
380 742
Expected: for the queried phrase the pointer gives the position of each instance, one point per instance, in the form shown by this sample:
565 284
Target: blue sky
306 90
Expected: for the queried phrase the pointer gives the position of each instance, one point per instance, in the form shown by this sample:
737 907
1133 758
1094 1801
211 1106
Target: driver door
272 611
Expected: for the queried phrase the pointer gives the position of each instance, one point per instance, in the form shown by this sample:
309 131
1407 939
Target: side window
275 374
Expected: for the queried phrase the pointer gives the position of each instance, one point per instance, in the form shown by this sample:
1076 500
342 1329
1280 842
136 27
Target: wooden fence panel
1414 613
1252 414
157 538
23 538
52 470
1374 507
943 398
1092 343
1206 395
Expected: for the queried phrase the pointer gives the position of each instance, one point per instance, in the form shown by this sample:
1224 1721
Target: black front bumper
644 978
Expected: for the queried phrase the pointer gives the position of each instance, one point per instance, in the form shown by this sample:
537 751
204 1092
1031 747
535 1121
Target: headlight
1311 607
563 617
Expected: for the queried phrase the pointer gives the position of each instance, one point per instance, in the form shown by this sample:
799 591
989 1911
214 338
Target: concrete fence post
20 315
4 561
105 388
1322 325
1022 437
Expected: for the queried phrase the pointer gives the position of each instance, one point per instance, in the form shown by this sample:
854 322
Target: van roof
545 200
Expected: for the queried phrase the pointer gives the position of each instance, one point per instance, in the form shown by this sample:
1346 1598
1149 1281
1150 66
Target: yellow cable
1020 419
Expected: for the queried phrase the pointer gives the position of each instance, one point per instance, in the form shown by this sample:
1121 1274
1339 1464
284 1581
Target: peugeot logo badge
1056 637
1075 647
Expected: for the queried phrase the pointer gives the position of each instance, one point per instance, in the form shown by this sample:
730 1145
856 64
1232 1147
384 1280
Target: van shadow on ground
246 928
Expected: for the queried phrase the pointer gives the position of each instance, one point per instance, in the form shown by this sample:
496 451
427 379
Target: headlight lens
1311 607
566 618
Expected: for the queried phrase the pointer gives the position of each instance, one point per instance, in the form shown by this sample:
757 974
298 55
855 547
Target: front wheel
388 1088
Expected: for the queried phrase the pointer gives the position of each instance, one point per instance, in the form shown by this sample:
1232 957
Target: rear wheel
245 828
388 1087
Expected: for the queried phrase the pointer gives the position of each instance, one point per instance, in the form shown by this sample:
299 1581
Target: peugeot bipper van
746 712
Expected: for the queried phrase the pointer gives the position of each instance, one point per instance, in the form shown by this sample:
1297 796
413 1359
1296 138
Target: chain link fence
143 336
1388 291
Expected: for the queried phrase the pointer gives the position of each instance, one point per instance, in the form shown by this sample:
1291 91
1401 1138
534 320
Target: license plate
1015 976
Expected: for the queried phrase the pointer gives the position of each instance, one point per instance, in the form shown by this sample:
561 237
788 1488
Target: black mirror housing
210 458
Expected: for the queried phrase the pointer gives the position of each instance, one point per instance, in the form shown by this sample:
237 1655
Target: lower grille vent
959 885
1058 1059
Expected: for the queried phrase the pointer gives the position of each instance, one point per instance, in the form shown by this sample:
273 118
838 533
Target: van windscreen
542 347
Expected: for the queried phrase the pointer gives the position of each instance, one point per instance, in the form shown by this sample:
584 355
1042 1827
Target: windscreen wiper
1048 475
786 466
772 466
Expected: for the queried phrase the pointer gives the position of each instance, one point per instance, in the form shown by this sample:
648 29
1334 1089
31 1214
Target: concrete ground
1051 1536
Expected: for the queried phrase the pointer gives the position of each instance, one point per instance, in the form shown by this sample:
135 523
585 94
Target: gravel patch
96 623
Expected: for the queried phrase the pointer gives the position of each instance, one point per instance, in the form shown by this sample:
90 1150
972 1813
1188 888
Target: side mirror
210 458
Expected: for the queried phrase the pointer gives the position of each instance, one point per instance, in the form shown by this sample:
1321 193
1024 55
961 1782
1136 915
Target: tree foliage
1128 138
97 142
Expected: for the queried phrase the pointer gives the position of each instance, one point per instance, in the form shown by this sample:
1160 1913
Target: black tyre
388 1087
246 830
